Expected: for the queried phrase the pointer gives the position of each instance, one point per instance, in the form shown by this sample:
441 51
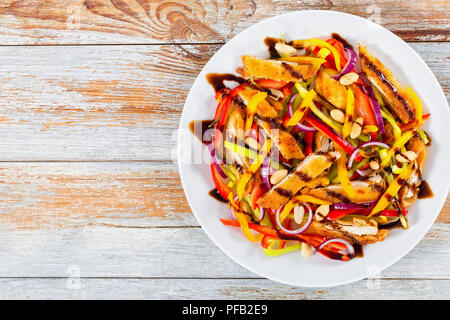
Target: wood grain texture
88 113
194 21
161 252
55 195
209 289
110 102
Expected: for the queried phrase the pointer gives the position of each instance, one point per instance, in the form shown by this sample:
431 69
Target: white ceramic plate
291 268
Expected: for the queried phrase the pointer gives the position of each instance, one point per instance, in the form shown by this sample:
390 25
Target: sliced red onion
350 248
351 61
363 145
376 109
262 213
364 173
299 126
216 161
265 171
350 206
302 228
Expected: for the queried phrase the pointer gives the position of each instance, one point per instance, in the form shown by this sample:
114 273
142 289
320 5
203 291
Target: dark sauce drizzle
341 40
270 43
199 127
425 191
216 80
216 195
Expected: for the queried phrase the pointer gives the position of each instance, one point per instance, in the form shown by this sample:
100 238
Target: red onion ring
299 126
216 161
351 61
376 109
350 206
299 230
364 173
262 213
366 144
350 248
265 171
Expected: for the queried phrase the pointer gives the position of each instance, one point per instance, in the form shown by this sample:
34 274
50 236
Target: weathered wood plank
152 21
109 102
53 195
168 253
253 289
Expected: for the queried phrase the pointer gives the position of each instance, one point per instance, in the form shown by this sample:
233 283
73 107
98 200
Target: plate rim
409 246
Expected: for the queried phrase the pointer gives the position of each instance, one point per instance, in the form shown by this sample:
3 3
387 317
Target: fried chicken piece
383 79
310 168
331 90
365 191
275 70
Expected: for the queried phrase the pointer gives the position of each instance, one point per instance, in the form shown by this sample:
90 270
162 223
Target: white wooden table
91 204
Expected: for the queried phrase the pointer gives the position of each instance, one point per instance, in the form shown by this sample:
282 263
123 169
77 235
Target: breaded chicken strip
331 90
383 79
275 70
310 168
365 191
267 118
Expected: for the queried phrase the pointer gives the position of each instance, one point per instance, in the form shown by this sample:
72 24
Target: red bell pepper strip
363 108
219 109
256 227
257 191
410 125
333 135
221 186
308 142
331 251
272 218
221 93
271 84
226 105
337 214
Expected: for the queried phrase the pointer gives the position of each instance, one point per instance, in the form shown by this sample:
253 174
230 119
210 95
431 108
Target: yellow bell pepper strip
255 100
370 128
287 209
304 60
423 136
314 183
378 96
311 199
322 44
400 142
277 252
241 150
417 104
244 227
293 203
260 158
300 112
242 183
343 173
323 53
328 120
390 118
223 189
392 190
347 127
